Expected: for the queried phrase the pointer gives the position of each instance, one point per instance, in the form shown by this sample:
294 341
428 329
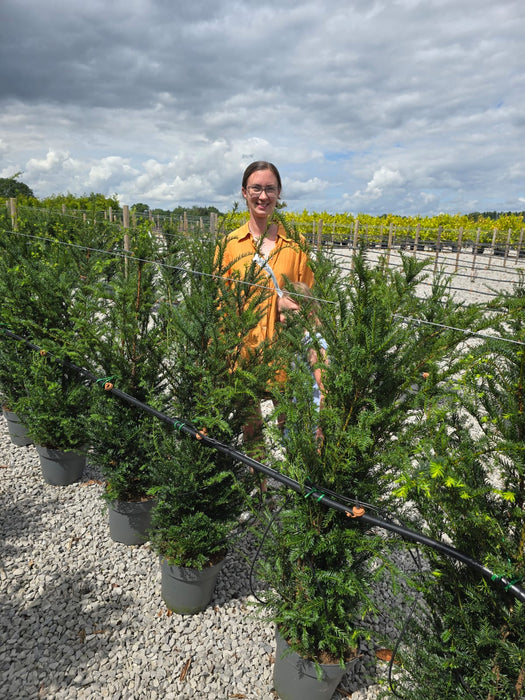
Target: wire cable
474 334
179 268
160 263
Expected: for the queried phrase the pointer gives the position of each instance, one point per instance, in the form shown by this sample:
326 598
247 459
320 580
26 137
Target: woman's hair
261 165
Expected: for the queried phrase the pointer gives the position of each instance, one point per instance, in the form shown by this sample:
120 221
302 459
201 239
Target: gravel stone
81 617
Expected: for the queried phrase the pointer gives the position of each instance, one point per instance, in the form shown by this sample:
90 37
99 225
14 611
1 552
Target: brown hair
261 165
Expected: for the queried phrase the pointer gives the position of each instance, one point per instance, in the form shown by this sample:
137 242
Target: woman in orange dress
282 257
263 236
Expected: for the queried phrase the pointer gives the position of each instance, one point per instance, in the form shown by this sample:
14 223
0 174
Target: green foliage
418 418
47 273
54 407
320 579
127 340
374 376
127 345
468 644
211 375
467 484
128 447
194 211
43 298
14 357
12 187
467 637
199 500
214 384
93 202
340 228
320 565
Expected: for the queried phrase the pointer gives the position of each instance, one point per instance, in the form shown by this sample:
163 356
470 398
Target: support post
127 241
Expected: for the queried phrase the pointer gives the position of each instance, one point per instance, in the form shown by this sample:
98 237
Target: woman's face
261 204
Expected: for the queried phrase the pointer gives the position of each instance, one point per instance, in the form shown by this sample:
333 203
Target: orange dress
288 260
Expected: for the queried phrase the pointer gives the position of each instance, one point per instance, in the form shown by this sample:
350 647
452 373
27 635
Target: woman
265 237
264 242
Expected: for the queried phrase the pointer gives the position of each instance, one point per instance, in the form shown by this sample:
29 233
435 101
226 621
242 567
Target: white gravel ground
82 616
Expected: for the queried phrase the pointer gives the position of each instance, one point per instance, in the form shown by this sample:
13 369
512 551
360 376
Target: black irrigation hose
356 512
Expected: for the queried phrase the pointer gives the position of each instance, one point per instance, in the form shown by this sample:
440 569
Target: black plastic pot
129 521
17 430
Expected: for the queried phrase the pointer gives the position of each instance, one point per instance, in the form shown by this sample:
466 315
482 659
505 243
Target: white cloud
106 169
52 161
297 188
382 179
405 106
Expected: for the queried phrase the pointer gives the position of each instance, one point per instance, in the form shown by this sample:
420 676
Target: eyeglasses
257 190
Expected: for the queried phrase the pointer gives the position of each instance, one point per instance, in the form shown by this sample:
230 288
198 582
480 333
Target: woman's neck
260 229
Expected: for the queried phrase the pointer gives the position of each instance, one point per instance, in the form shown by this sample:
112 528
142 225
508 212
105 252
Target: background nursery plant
46 284
13 355
56 403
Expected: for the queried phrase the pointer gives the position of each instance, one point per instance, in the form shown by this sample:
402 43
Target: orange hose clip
356 512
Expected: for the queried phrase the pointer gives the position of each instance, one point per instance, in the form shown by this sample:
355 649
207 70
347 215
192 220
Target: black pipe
356 512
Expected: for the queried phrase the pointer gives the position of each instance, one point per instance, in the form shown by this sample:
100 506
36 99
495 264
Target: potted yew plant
128 345
319 566
467 483
55 409
125 443
43 285
213 383
14 355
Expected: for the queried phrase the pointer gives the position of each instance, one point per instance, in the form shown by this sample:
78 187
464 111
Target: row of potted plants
161 337
159 332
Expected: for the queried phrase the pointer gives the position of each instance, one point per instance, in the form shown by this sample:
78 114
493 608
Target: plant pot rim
82 448
7 409
209 565
119 499
119 495
316 660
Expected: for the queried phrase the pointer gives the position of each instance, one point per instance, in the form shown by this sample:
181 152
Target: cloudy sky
403 106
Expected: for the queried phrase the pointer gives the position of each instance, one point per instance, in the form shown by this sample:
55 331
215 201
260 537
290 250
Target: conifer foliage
467 638
320 566
213 383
